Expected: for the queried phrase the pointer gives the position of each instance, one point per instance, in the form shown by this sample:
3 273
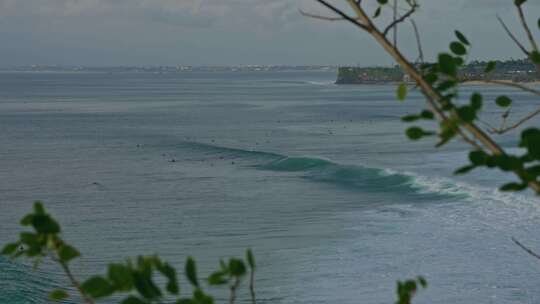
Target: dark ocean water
318 179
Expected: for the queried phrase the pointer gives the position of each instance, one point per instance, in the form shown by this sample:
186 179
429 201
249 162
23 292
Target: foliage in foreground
136 278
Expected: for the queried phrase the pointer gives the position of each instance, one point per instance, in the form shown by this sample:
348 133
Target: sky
234 32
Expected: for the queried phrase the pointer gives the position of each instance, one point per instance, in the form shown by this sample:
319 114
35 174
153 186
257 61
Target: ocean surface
318 179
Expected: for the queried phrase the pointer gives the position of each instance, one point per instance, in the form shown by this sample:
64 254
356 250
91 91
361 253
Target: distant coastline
522 71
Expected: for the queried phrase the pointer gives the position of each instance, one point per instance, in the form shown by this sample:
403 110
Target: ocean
318 179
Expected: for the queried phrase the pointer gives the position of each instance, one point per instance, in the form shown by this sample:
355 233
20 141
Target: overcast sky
229 32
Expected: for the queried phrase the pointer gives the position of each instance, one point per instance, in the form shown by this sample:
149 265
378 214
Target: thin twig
315 16
507 83
516 41
234 286
72 279
345 16
529 251
418 42
394 20
400 19
252 286
519 123
526 27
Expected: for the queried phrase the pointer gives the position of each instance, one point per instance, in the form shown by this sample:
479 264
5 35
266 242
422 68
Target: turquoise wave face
353 177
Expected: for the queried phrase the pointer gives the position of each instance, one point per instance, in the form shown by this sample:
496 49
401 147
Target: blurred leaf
519 2
447 65
476 101
191 272
237 267
427 114
478 158
377 12
133 300
27 220
10 248
535 57
67 253
45 224
529 140
120 276
402 92
145 286
58 295
446 85
513 187
466 113
490 67
97 287
503 101
170 273
382 2
38 208
461 38
250 259
458 48
185 301
217 278
464 169
415 133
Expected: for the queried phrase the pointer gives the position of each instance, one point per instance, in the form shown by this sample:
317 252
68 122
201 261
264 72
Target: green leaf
415 133
133 300
402 92
237 267
27 220
377 12
217 278
529 140
97 287
539 23
250 259
431 78
447 65
519 2
490 67
478 158
38 208
427 114
185 301
458 48
170 273
58 295
45 224
382 2
120 276
446 85
67 253
503 101
422 282
410 118
476 101
462 38
513 187
10 248
145 286
464 169
466 113
191 272
535 57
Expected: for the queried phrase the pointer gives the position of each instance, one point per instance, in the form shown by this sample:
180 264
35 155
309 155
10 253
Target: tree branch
433 98
342 14
529 251
516 41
